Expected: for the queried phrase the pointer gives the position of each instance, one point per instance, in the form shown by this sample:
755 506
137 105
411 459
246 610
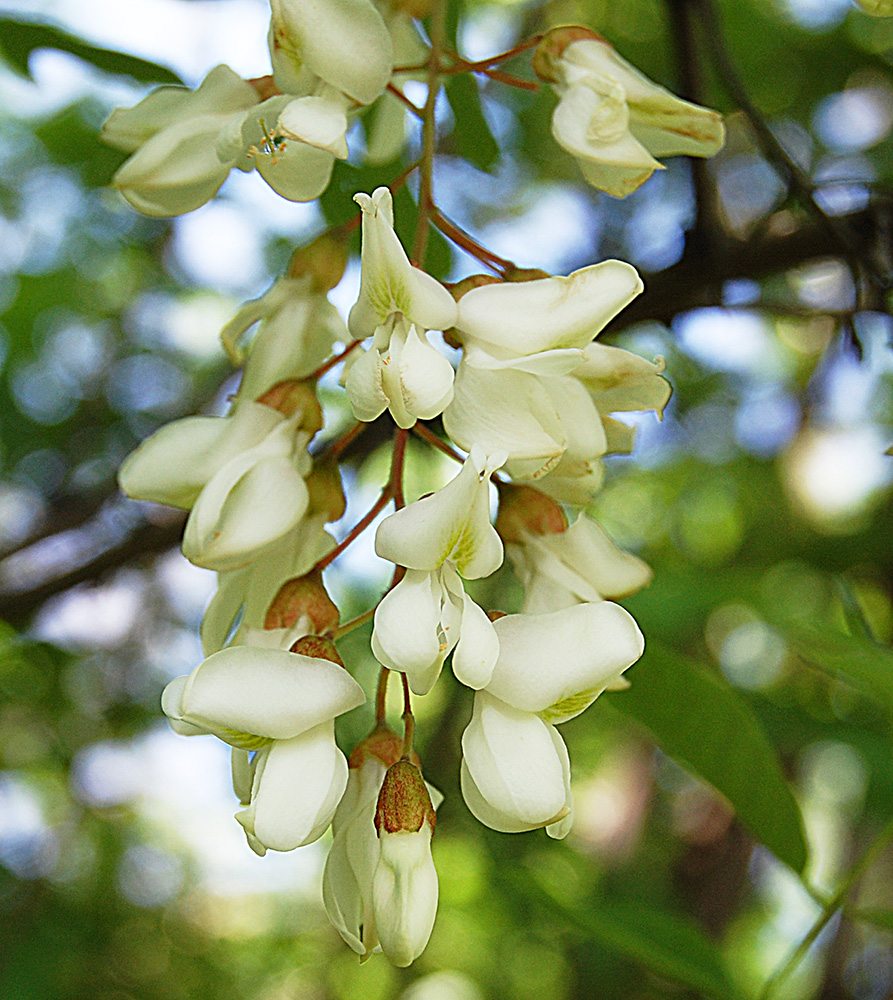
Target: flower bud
404 887
382 743
326 490
317 647
290 396
403 802
324 260
552 47
523 509
304 595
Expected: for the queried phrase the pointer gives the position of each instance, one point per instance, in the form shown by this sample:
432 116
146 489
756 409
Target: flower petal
476 652
296 790
557 664
267 692
511 758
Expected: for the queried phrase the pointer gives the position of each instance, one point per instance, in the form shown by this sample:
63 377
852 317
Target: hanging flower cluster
535 404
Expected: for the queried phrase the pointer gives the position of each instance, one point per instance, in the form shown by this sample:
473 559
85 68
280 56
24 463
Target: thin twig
356 530
381 696
408 720
426 434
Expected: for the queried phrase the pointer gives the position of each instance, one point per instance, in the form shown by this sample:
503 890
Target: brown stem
333 360
509 79
469 244
410 105
398 458
356 530
338 446
426 434
381 695
408 720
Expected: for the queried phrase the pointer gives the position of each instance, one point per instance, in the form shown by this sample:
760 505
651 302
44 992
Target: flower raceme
612 118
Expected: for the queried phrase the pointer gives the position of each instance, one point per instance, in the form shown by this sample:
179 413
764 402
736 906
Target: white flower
345 43
281 705
351 867
428 614
522 343
613 119
173 135
241 475
573 566
401 371
551 667
298 326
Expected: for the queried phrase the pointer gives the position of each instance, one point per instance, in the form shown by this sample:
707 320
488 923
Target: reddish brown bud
319 647
265 86
304 595
403 802
326 490
382 743
290 396
522 509
324 260
552 47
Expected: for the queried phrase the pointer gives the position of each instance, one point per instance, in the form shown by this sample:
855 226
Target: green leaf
867 665
667 943
702 722
879 918
18 39
472 138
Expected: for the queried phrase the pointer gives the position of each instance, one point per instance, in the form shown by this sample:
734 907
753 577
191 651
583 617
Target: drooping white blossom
612 118
282 706
551 667
440 539
402 371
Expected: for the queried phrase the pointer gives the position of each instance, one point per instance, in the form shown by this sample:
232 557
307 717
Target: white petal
297 171
317 121
528 317
296 790
559 830
267 692
451 524
513 764
341 894
506 411
426 377
404 894
558 663
413 626
476 652
364 386
344 42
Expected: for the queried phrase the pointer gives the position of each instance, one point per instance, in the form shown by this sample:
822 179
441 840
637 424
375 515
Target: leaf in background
706 725
867 665
667 943
472 138
18 39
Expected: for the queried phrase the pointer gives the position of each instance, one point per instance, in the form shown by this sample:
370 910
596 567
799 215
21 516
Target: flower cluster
530 411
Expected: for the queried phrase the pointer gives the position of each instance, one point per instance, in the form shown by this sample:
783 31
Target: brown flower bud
304 595
403 802
292 395
324 260
523 509
382 743
552 47
319 647
326 490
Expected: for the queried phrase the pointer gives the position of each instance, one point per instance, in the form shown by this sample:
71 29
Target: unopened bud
552 47
525 510
292 395
326 490
403 802
303 596
318 647
382 743
324 260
